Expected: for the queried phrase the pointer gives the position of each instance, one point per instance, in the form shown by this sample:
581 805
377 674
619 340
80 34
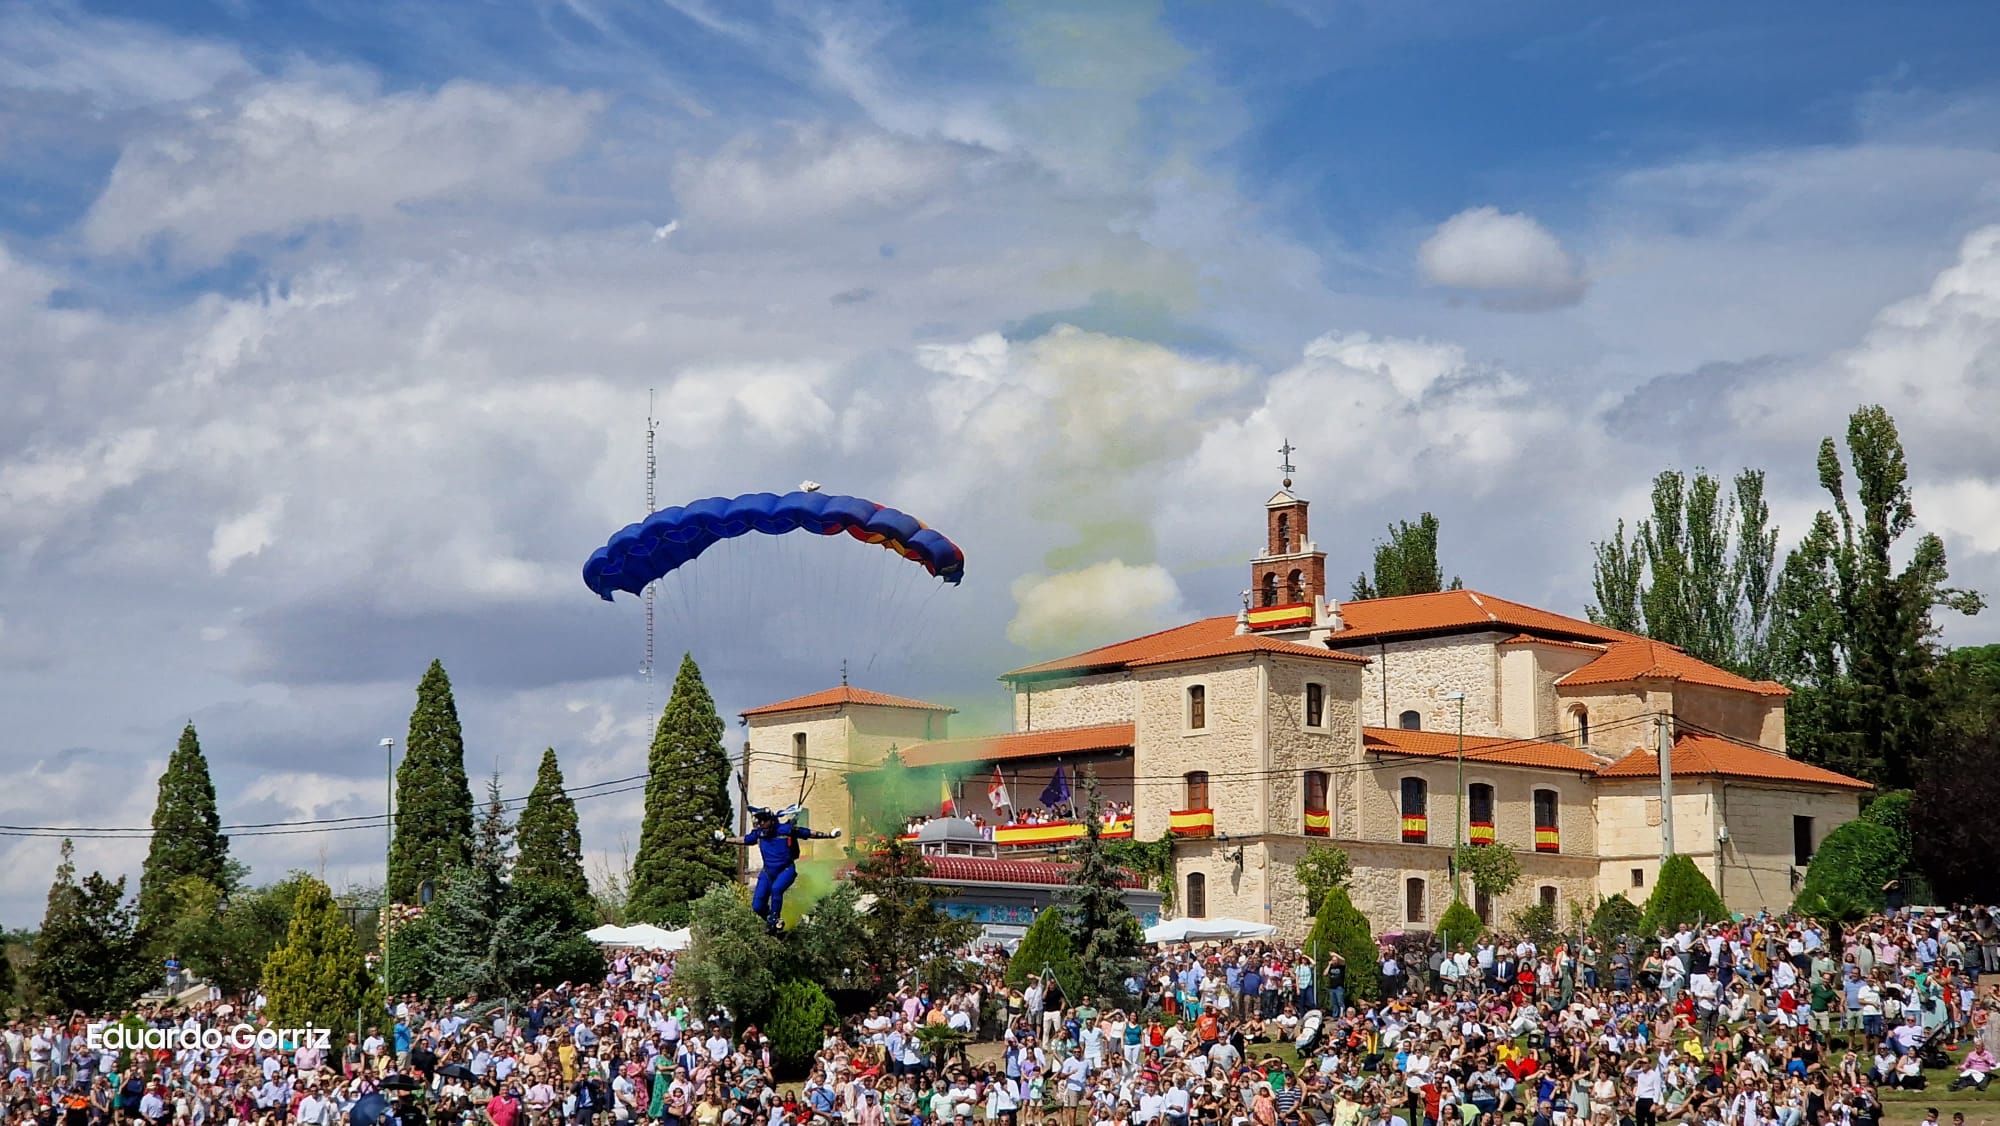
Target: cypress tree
187 834
1340 928
1046 948
318 976
433 799
551 846
1681 894
687 801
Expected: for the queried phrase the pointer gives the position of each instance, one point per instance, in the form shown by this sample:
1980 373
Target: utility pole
1458 829
1666 786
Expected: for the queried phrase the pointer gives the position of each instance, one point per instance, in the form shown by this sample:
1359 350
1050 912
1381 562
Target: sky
330 329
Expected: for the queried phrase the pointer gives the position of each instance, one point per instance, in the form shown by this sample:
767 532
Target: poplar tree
1853 633
187 835
551 846
318 975
1407 563
687 802
1697 573
433 800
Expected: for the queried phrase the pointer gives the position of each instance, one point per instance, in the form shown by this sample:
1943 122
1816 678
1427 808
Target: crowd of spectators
1762 1022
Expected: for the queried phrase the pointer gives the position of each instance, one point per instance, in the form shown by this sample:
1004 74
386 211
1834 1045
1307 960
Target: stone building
1249 737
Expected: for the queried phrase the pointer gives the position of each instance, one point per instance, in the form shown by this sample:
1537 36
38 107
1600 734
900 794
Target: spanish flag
946 806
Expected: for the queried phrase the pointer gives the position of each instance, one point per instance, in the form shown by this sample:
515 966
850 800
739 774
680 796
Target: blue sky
333 326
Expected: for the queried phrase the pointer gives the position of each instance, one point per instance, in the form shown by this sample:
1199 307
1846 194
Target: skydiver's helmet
767 818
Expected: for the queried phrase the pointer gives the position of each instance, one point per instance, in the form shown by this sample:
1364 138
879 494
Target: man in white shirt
1646 1090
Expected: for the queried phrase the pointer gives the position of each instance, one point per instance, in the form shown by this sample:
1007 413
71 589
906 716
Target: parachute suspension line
651 595
899 610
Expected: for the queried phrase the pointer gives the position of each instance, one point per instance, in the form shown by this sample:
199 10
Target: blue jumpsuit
780 871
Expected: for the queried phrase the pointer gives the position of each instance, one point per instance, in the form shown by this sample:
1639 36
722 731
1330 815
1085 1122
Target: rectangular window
1197 896
799 750
1416 819
1197 789
1548 895
1638 877
1315 705
1413 900
1482 905
1802 841
1197 707
1316 789
1548 835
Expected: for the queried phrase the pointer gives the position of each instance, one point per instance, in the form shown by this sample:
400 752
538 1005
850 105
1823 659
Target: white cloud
243 536
1965 511
1080 608
1508 256
113 63
281 156
805 176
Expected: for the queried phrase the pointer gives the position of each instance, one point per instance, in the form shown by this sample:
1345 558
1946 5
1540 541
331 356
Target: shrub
1321 869
1681 894
1340 928
1459 924
1537 923
800 1013
1853 863
1615 920
1046 946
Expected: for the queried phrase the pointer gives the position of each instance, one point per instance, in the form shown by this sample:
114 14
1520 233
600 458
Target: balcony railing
1045 833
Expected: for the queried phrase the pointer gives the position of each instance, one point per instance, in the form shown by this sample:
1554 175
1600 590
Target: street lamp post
388 851
1458 833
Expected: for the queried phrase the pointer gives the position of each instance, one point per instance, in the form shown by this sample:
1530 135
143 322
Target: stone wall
1083 701
1419 674
1757 863
1628 831
1233 891
1333 747
1528 705
1231 748
1738 715
1620 715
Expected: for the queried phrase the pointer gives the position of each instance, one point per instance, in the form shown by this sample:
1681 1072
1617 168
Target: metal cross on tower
1286 451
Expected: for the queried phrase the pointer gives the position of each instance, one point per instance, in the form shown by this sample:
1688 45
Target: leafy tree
1046 948
225 938
1697 573
1969 684
1339 928
1152 861
187 834
433 800
1536 922
1407 563
687 800
1957 793
551 845
87 955
908 926
1493 868
1681 894
1109 938
831 943
1614 920
1853 634
800 1014
1458 924
493 838
318 975
1319 871
733 960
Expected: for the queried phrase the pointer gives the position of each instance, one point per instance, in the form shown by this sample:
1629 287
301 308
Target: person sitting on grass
1975 1071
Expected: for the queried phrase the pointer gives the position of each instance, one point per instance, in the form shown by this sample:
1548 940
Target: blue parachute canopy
643 552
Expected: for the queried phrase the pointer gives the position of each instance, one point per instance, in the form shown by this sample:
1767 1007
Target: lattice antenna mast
652 501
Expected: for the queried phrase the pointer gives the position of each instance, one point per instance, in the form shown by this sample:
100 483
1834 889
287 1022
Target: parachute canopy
643 552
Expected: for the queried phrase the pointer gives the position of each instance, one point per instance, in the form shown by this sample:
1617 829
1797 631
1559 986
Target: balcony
1319 823
1045 834
1191 822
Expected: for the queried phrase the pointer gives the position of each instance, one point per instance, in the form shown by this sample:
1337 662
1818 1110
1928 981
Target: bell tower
1291 572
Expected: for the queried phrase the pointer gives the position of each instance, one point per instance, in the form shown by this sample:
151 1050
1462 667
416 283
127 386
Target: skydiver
777 842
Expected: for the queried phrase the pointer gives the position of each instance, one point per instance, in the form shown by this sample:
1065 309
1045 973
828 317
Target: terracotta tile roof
1479 748
1248 643
1121 653
1706 756
986 869
1630 660
1449 610
846 695
1023 744
1530 639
